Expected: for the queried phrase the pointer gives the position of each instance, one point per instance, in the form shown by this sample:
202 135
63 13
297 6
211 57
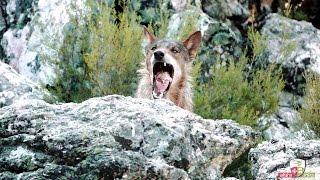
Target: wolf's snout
158 55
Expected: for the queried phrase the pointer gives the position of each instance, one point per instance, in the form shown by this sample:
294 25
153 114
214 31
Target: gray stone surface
269 159
222 9
295 45
33 49
14 14
115 137
285 124
14 87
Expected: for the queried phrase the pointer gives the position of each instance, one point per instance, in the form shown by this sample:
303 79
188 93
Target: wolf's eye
175 50
153 48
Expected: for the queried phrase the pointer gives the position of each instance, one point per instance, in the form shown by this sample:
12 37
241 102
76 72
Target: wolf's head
168 61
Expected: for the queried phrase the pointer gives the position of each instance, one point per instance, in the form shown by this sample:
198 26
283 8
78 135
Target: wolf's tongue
163 80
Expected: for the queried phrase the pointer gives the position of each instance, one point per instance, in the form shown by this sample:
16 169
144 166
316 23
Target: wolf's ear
193 43
150 37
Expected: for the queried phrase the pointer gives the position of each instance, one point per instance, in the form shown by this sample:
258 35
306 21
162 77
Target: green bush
114 51
238 91
310 113
100 54
72 83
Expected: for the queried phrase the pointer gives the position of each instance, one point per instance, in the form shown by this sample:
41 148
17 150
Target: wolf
166 71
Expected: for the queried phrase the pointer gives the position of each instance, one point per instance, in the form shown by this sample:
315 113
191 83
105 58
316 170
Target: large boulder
115 137
14 88
286 159
295 45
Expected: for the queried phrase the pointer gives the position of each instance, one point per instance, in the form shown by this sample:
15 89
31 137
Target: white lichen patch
20 153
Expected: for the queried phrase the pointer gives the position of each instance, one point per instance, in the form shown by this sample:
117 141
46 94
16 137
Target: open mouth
162 78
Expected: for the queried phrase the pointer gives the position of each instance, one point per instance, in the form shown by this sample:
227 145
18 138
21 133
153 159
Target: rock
222 9
285 124
179 5
230 178
290 100
295 45
15 14
272 160
220 41
115 137
34 49
14 88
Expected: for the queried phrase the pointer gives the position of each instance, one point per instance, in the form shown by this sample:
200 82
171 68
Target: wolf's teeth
165 64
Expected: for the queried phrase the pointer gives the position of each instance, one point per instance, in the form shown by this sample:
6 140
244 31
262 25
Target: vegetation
287 11
114 51
99 55
72 83
310 113
238 91
292 12
187 27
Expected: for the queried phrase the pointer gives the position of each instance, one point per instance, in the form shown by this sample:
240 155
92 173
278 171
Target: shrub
100 55
237 90
114 51
72 83
310 113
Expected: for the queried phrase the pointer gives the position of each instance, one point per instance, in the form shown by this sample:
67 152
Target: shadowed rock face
109 137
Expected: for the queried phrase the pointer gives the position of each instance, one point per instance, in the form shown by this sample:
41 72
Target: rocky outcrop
14 88
286 158
115 137
33 49
294 45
